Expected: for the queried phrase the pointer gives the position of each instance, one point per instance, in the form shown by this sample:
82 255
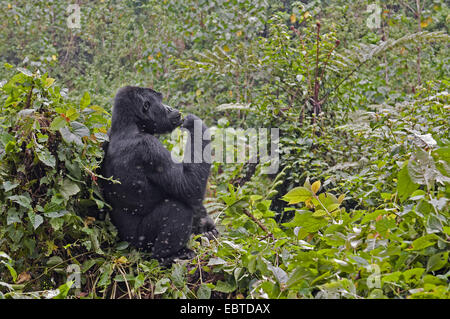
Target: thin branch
261 225
419 47
343 80
30 94
407 6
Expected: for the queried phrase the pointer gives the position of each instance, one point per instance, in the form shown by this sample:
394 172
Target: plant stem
419 48
261 225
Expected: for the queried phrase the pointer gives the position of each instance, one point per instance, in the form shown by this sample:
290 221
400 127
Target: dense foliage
358 209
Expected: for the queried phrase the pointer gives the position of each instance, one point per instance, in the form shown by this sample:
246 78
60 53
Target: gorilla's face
143 107
153 116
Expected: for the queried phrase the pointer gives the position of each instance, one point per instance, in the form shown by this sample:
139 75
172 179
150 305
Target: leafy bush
328 252
362 113
49 153
54 239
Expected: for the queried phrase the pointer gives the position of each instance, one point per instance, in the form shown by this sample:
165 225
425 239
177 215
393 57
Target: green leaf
4 255
384 225
46 157
443 153
105 277
421 168
122 245
178 275
321 277
72 114
299 274
437 261
36 220
139 281
56 223
203 292
405 185
372 216
333 207
98 109
69 188
80 129
49 82
225 286
216 261
424 242
297 195
69 137
279 274
22 200
447 230
418 194
234 106
56 214
85 100
13 216
88 264
12 271
413 275
54 260
392 277
63 290
10 146
7 186
376 294
25 71
319 213
57 123
307 222
161 286
5 138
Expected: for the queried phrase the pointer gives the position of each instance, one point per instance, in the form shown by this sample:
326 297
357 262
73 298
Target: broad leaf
405 185
297 195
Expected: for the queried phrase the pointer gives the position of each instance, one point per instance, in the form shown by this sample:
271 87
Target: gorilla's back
124 165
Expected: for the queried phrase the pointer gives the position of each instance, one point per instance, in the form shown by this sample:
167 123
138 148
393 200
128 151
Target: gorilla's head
143 107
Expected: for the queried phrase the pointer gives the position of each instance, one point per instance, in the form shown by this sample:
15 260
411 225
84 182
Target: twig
58 264
126 282
316 103
343 80
419 47
407 6
261 225
28 102
199 269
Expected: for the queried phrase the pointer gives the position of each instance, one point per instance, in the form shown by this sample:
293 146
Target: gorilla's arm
185 181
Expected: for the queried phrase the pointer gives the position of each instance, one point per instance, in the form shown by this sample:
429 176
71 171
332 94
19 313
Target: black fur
158 203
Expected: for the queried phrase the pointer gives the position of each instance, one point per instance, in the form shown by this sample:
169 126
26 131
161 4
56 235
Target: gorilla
158 203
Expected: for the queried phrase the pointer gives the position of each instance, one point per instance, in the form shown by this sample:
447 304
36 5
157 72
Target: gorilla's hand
189 121
207 228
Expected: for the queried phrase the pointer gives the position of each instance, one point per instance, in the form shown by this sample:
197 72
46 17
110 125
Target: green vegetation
359 207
